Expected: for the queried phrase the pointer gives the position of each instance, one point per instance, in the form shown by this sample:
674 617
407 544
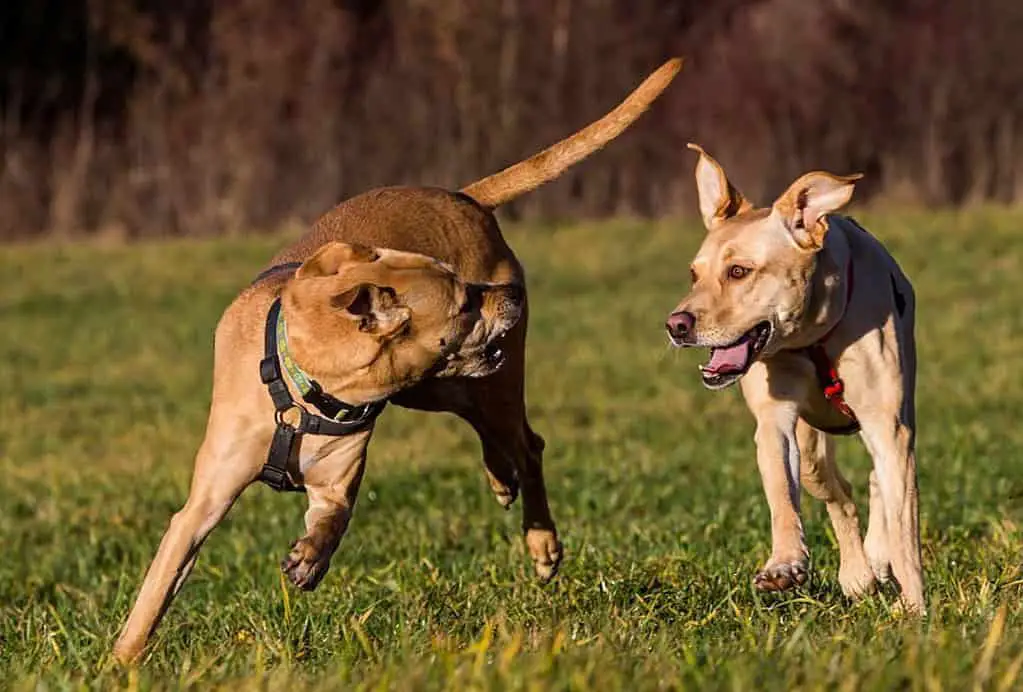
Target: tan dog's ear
375 309
804 205
333 257
719 200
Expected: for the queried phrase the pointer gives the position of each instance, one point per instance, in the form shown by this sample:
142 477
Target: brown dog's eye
737 271
692 275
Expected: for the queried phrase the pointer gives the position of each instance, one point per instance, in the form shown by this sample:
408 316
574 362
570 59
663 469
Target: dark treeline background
145 117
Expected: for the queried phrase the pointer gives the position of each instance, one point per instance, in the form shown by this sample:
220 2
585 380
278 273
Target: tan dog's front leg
332 485
778 460
224 468
824 481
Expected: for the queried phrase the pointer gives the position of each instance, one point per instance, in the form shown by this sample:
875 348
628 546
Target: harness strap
827 373
347 419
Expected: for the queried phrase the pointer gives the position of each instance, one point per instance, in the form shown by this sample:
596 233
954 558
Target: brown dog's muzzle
500 308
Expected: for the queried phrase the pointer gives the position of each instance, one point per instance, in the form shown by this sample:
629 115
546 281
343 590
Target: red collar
827 373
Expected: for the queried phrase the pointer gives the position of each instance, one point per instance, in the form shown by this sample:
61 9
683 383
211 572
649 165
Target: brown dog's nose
680 327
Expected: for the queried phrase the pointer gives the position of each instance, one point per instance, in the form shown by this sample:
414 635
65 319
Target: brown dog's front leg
218 480
332 484
778 460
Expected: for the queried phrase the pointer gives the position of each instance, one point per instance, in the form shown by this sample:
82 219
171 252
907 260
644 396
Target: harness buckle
284 422
276 478
269 370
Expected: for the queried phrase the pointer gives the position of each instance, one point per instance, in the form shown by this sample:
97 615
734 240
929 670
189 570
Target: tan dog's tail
502 187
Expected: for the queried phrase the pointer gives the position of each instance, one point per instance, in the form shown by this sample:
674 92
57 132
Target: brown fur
403 293
797 254
513 181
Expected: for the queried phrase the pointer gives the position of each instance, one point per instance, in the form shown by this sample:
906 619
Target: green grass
106 355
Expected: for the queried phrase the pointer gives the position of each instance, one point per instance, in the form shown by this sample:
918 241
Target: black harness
339 418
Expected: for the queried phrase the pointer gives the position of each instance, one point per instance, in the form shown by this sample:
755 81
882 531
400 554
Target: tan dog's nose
680 327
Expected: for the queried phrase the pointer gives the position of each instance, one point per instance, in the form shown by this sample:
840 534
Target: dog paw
857 580
545 549
305 565
127 652
505 495
506 490
909 608
877 558
781 576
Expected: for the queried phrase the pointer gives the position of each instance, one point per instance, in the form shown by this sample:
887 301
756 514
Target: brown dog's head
374 321
751 278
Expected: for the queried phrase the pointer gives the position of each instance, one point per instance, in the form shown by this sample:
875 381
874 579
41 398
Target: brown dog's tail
502 187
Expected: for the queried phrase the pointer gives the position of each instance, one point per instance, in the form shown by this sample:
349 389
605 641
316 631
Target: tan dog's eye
692 275
737 271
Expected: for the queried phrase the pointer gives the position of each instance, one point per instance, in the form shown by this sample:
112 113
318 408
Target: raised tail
506 185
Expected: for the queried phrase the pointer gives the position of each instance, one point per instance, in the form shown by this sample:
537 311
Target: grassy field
106 355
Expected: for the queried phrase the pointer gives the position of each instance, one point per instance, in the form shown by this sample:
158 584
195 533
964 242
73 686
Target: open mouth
728 363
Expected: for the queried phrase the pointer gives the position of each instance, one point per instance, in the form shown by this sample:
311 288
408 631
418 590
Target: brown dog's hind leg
823 480
332 486
224 468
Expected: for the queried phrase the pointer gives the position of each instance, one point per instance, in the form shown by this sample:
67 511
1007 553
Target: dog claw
780 576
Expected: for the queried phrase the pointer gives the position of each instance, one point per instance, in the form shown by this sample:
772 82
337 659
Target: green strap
296 374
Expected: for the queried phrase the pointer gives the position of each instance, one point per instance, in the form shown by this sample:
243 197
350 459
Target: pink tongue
731 359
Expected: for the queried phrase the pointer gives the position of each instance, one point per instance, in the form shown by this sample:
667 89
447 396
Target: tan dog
814 318
406 294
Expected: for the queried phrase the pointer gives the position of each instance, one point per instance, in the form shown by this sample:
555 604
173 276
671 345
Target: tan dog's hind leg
824 481
779 462
224 468
890 442
887 414
332 485
876 543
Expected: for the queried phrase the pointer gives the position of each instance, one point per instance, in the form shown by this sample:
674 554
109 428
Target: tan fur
504 186
795 259
403 293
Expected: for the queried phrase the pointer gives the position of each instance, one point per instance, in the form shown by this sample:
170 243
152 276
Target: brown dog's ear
719 200
804 205
375 309
333 257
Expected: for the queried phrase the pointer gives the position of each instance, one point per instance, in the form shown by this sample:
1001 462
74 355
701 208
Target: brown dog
815 318
402 294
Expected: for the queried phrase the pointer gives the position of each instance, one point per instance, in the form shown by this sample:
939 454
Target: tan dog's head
374 321
751 278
